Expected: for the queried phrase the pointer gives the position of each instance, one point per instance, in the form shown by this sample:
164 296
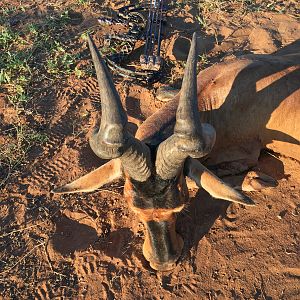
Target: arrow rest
145 23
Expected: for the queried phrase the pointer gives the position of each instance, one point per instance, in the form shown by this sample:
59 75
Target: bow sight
143 22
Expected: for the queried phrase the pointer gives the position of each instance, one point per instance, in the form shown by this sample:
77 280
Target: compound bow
145 23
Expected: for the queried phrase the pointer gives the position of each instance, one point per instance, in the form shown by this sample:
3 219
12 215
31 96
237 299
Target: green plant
33 29
54 22
19 140
203 60
84 2
15 72
59 61
24 50
7 36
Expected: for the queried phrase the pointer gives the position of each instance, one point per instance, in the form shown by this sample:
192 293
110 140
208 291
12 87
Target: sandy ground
89 246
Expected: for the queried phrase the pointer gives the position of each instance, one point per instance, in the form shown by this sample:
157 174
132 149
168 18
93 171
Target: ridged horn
189 138
112 140
187 116
111 137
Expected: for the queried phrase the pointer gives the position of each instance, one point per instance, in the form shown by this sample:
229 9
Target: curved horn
112 140
190 138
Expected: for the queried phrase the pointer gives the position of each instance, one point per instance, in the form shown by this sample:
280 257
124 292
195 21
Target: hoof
256 181
166 93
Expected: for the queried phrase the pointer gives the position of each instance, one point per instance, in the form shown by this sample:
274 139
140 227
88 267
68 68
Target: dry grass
35 53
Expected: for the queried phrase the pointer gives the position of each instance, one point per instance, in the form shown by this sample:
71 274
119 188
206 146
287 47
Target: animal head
155 173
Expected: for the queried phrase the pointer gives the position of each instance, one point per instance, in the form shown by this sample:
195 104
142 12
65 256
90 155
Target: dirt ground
89 246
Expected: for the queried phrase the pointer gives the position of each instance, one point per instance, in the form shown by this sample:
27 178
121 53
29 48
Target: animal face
155 186
156 203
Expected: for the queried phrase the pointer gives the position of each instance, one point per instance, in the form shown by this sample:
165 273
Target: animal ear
92 181
212 184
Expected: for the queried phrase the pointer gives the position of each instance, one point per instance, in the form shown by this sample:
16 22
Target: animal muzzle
163 245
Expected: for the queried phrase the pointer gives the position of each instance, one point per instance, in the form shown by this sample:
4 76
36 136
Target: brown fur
252 102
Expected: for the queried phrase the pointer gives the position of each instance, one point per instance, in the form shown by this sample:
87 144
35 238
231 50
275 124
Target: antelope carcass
245 104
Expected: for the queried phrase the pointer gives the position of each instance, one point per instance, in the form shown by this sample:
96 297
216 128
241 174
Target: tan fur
155 214
252 102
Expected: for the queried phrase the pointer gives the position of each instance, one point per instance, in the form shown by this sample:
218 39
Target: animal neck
154 126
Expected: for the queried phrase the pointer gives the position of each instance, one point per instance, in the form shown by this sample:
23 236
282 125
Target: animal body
225 115
253 102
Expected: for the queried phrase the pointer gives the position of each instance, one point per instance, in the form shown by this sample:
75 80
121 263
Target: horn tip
90 41
194 39
60 190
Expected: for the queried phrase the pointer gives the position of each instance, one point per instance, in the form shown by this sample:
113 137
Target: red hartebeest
245 104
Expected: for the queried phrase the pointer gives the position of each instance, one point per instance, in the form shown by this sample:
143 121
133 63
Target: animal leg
256 181
231 168
234 160
135 121
166 93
